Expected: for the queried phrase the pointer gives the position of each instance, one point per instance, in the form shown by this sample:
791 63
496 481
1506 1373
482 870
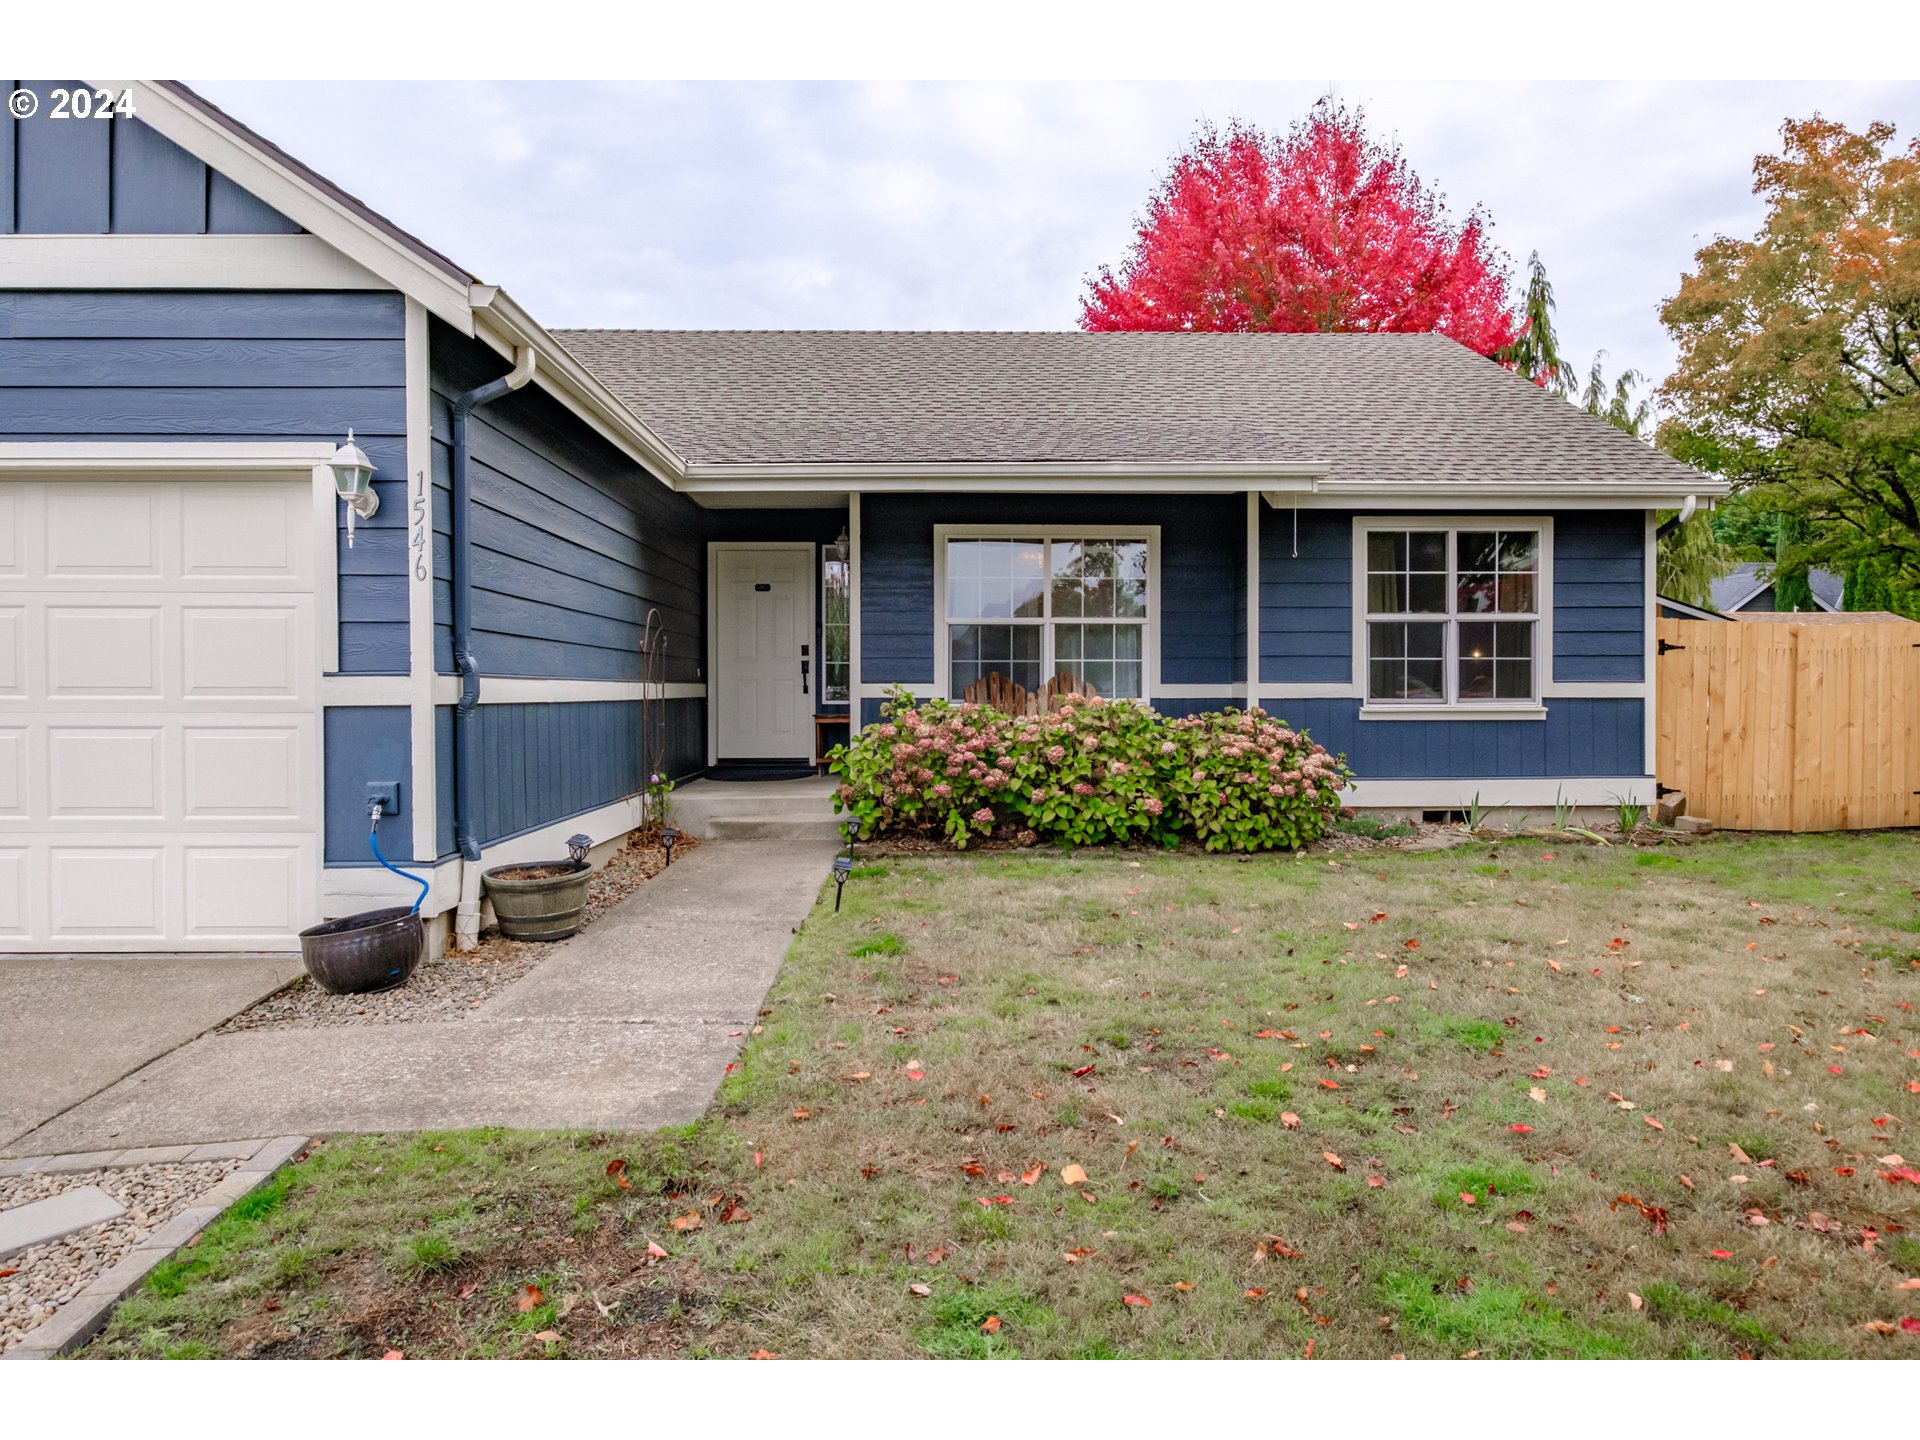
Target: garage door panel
102 650
13 530
13 770
159 738
244 530
101 772
116 891
231 772
241 650
16 865
250 891
106 531
13 650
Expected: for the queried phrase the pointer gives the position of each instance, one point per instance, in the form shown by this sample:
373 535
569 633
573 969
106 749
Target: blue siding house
601 554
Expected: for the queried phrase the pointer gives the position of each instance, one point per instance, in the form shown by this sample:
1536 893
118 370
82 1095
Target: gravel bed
47 1276
453 986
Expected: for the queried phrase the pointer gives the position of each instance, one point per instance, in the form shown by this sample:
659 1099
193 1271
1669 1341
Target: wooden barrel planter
541 900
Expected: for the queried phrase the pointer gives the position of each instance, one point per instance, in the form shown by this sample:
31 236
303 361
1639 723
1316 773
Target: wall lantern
353 483
841 548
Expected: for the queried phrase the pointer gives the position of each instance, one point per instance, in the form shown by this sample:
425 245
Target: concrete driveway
71 1026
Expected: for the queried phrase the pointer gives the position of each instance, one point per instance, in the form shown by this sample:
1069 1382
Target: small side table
822 724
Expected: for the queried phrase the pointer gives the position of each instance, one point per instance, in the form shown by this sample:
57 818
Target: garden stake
842 867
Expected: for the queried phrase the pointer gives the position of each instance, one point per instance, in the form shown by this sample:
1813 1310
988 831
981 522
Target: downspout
466 716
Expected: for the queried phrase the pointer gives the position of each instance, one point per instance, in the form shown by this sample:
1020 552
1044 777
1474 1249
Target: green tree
1535 352
1799 363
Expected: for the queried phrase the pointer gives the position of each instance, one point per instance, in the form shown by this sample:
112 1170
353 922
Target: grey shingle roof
1737 588
1389 408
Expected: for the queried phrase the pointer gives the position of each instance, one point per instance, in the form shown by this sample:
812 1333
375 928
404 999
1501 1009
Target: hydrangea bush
1090 772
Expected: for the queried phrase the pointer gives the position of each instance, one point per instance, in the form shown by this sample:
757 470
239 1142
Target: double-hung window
1453 614
1031 607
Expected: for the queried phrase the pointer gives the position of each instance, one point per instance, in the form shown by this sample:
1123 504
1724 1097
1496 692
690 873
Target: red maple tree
1323 229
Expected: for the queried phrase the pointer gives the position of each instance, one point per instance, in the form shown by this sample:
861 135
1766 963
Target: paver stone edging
83 1317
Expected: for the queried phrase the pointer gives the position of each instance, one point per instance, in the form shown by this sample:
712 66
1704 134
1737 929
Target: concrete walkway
70 1026
630 1026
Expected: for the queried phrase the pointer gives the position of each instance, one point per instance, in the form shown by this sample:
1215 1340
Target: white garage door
159 752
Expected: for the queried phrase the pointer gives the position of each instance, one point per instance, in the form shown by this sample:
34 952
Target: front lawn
1500 1100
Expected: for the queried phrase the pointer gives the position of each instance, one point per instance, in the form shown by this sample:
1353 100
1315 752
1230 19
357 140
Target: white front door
764 640
159 742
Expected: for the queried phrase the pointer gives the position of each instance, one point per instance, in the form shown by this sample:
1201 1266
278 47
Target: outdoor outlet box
387 792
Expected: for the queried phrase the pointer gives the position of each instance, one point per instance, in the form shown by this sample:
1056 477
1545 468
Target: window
836 630
1452 615
1031 607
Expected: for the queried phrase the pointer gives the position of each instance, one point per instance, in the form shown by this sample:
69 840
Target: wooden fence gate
1804 724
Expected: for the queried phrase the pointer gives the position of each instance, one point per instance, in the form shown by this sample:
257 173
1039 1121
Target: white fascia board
499 320
1233 478
1470 494
301 202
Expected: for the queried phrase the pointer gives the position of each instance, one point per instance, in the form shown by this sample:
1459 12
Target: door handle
803 675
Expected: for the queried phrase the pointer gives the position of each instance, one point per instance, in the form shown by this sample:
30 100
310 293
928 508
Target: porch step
758 827
739 808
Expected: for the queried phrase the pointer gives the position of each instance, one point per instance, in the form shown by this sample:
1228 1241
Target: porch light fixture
353 483
841 548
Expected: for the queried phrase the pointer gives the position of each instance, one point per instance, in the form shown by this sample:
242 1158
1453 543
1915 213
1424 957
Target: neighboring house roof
1374 408
1683 611
1743 584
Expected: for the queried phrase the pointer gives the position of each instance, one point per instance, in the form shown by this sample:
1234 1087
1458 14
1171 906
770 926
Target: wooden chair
997 692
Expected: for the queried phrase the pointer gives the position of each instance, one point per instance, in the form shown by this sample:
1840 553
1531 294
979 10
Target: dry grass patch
1382 1104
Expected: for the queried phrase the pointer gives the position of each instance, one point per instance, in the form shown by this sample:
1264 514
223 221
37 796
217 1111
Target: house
1748 589
602 554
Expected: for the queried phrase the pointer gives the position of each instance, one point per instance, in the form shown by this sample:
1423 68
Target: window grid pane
1493 573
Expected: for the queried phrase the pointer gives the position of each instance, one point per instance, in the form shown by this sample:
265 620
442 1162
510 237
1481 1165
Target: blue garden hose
373 839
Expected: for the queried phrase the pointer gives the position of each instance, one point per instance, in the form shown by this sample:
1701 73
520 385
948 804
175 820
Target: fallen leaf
1332 1159
763 1355
1029 1177
1255 1294
1072 1175
1721 1254
920 1290
617 1171
1654 1215
1411 944
654 1250
390 1355
530 1298
1329 1085
1374 1182
1082 1072
1139 1302
552 1337
689 1221
1521 1129
1183 1285
801 1112
1686 1180
1467 1197
1289 1119
1634 1300
990 1325
1653 1122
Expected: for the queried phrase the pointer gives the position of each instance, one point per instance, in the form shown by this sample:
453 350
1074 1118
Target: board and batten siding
1202 600
157 365
114 177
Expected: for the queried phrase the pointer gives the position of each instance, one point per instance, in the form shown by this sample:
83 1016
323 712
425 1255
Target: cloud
908 205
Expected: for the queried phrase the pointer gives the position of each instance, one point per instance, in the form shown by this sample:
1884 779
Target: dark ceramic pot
374 950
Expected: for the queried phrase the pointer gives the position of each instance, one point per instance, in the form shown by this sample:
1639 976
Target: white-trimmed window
1452 614
1032 606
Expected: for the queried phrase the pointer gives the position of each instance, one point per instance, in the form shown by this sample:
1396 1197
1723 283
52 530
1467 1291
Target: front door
764 652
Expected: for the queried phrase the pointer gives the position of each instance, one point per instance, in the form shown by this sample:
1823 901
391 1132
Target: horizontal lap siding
1306 598
541 764
1600 599
232 365
117 176
1202 569
573 542
1577 737
370 743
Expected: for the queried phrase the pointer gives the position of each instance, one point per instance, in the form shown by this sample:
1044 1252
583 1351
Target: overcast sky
933 206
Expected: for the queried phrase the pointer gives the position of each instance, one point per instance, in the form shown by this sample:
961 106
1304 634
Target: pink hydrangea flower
1152 805
1056 753
1082 788
983 816
943 790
